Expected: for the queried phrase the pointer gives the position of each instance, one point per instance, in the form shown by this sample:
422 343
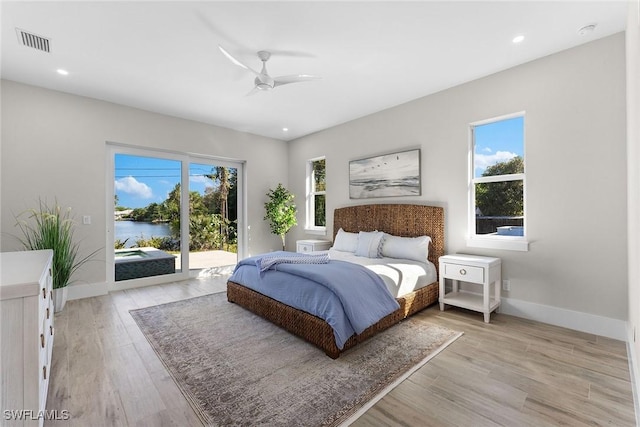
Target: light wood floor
511 372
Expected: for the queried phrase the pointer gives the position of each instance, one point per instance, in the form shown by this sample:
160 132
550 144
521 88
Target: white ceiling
163 56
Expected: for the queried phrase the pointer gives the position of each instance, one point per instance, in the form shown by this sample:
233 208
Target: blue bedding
349 297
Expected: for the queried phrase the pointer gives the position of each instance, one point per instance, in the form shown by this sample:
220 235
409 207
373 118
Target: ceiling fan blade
292 53
283 80
235 61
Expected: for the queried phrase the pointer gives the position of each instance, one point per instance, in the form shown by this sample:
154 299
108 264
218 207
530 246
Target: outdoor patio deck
207 263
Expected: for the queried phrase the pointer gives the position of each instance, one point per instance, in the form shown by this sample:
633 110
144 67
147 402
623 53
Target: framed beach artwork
389 175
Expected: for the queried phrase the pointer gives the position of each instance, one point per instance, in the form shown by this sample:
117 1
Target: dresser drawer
45 297
465 273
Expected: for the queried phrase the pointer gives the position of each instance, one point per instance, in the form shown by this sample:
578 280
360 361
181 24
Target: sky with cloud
498 142
140 181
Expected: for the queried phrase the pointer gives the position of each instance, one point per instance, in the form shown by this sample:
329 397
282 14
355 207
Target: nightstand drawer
465 273
312 245
305 247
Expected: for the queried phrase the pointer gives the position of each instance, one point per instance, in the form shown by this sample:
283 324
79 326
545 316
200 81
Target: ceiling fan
263 81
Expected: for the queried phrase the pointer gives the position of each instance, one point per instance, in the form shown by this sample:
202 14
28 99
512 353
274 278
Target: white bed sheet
400 275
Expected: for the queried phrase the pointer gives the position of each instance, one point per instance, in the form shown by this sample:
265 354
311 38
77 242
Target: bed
404 220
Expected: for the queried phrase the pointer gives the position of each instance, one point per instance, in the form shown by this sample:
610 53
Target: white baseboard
87 290
632 357
577 320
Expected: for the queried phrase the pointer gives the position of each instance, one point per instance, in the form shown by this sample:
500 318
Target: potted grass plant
51 227
281 212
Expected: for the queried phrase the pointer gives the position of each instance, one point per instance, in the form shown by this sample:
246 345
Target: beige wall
54 145
576 173
633 191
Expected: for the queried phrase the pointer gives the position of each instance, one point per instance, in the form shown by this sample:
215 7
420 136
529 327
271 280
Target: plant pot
59 299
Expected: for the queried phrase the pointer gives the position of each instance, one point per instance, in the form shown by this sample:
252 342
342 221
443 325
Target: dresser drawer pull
44 293
42 340
51 330
44 372
51 294
463 271
47 312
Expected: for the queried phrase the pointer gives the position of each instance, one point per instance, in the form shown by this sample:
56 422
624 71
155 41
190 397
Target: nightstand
485 271
312 245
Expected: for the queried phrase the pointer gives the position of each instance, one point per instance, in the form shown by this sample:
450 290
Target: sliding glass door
213 216
174 216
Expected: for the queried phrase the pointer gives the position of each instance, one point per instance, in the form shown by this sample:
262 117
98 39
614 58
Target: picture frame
388 175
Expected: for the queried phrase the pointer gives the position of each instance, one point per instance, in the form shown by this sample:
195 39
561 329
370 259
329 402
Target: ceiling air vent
34 41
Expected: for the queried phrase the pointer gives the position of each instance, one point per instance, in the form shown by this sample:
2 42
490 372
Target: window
497 184
316 196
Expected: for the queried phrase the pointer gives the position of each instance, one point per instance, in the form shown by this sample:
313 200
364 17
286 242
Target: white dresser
26 327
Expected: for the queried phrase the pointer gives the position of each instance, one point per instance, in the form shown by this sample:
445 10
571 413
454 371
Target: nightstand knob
463 271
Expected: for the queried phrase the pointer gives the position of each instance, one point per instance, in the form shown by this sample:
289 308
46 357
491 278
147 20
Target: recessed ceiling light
285 129
62 72
589 28
518 39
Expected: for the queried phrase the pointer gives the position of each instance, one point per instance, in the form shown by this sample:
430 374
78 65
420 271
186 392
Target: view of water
134 230
403 186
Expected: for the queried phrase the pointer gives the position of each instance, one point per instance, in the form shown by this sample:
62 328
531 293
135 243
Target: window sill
503 242
318 231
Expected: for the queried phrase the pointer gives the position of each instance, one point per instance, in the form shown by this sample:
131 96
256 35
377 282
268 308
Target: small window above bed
497 184
316 221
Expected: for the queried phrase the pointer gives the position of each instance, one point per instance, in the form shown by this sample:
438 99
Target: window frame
310 226
492 241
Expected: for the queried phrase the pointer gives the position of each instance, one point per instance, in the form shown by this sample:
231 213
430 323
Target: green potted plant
281 212
51 227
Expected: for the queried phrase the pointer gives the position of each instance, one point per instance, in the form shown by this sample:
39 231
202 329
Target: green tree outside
319 174
502 198
209 223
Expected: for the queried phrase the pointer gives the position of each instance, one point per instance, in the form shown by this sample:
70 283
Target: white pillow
345 241
369 243
414 248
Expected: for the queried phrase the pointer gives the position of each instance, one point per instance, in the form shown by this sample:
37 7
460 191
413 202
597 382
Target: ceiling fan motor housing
264 82
264 55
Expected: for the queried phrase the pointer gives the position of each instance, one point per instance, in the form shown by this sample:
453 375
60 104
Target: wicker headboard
397 219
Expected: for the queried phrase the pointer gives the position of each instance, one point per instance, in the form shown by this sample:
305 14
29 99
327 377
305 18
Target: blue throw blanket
271 261
349 297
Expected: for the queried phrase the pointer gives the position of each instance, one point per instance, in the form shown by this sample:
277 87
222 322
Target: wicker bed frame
397 219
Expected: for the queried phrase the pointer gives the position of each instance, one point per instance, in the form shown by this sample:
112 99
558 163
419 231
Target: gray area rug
235 368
